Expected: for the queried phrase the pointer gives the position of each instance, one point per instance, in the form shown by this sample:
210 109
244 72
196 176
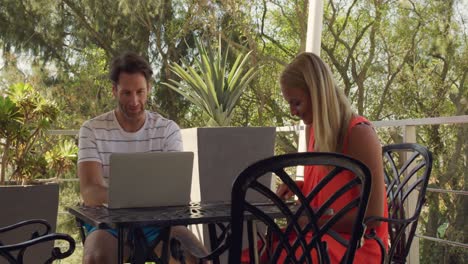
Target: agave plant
211 84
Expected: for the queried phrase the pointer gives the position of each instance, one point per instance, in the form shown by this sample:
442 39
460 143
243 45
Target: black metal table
163 217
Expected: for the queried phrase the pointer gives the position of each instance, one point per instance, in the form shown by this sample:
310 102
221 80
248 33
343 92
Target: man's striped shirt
103 135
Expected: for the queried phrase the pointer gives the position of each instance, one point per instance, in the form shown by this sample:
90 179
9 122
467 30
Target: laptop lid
150 179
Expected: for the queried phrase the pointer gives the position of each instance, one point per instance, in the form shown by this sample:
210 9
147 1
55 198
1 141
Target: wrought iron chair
407 168
15 253
247 181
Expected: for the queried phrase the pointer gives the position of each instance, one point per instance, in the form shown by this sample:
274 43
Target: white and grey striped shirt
103 135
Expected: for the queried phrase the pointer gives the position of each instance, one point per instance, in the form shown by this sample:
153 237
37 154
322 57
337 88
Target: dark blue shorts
151 233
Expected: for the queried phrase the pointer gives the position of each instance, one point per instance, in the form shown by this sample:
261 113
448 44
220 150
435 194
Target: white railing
409 135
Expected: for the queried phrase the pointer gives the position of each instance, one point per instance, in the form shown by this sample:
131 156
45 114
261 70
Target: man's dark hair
129 62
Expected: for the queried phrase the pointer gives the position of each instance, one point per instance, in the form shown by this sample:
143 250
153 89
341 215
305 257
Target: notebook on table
149 179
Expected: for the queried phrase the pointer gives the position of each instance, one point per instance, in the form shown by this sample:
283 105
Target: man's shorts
151 233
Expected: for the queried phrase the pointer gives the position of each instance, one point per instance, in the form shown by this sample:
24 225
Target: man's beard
131 116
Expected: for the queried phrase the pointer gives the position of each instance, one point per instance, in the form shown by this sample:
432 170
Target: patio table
164 217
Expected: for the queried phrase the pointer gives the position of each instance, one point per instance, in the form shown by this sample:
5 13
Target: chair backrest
307 243
16 252
407 168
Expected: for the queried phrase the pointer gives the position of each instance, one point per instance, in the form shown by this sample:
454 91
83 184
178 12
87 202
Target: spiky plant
211 83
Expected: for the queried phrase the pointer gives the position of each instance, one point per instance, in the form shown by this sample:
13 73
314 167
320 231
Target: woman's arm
283 191
365 146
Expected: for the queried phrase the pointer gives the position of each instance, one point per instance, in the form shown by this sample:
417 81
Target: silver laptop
150 179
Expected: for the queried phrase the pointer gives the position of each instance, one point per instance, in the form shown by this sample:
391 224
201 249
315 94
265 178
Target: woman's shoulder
358 120
360 132
362 135
360 127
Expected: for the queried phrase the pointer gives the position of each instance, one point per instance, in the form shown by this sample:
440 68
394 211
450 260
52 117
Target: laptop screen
150 179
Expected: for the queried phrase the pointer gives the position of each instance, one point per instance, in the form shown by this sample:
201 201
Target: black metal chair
15 253
407 168
247 181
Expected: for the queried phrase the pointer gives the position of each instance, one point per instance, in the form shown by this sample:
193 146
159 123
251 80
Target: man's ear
149 88
114 89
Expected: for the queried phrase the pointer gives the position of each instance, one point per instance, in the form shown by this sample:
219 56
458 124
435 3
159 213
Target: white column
409 136
314 26
313 40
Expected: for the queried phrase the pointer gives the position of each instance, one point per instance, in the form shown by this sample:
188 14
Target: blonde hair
331 110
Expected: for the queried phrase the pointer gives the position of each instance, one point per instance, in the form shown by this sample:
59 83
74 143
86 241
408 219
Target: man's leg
101 247
191 246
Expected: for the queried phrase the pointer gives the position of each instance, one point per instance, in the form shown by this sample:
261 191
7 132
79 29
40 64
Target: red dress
369 252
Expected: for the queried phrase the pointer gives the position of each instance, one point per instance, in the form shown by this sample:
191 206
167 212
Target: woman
308 87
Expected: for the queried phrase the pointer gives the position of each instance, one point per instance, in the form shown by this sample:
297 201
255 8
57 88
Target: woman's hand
283 192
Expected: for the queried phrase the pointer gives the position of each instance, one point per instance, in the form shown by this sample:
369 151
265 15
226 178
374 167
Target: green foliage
211 84
25 116
10 118
442 229
62 157
85 85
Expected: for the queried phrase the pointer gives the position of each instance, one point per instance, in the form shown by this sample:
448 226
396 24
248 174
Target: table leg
120 244
213 240
81 227
165 254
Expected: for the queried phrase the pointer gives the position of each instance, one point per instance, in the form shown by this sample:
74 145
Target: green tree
393 59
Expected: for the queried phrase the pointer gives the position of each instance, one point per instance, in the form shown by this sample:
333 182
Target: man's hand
92 187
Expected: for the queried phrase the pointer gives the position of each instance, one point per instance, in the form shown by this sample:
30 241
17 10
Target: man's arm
92 186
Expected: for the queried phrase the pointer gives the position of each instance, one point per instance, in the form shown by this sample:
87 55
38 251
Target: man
128 128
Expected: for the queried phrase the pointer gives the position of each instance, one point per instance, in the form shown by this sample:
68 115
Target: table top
195 213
